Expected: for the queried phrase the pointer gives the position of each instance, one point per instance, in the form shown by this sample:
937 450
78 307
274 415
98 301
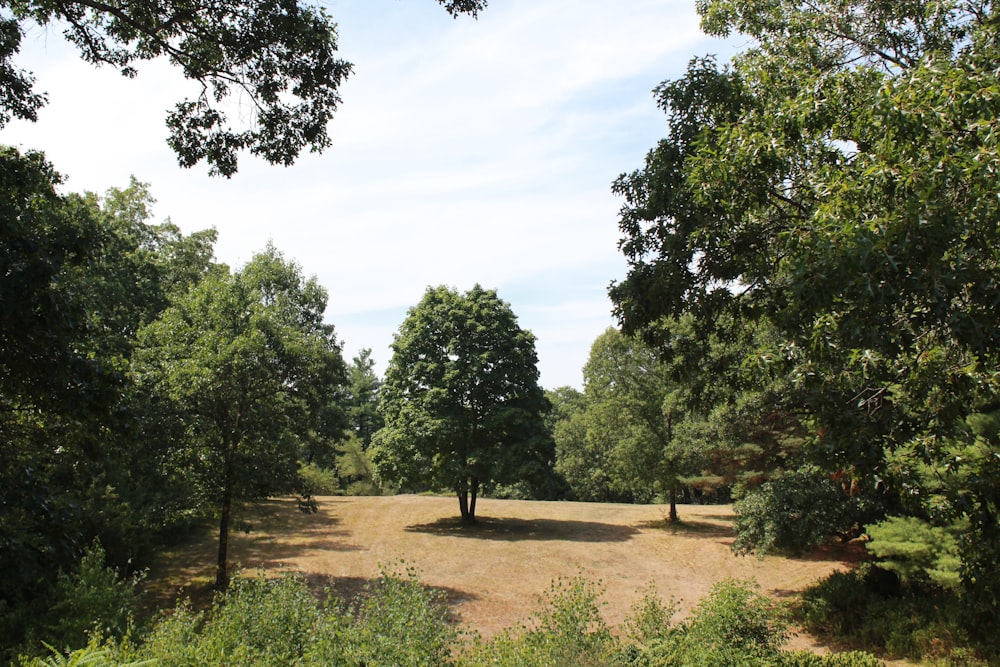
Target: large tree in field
244 364
838 180
461 400
273 60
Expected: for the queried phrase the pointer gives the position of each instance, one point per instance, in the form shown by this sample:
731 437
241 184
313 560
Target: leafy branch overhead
267 71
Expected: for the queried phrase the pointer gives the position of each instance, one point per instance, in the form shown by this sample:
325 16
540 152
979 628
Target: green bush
93 600
398 621
918 621
848 659
916 550
94 654
317 481
792 514
258 621
569 630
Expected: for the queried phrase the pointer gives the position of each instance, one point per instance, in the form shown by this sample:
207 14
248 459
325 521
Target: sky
465 151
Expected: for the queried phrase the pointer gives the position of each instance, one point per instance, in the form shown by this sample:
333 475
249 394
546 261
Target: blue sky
465 151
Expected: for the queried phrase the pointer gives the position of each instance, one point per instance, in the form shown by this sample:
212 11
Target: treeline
145 388
812 255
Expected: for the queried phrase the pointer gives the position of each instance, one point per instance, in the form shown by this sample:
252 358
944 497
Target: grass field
493 573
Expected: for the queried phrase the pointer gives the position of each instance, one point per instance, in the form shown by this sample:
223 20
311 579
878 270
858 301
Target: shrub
399 622
569 630
915 549
258 621
93 600
734 625
864 608
848 659
317 481
792 513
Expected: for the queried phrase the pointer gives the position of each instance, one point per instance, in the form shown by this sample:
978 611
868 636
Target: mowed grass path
493 573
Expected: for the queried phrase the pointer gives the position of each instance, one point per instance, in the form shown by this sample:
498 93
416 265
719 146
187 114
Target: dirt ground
493 573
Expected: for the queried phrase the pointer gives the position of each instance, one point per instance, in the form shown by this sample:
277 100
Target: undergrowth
399 622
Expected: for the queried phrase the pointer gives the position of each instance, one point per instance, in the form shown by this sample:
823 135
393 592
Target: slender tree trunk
226 515
673 505
222 563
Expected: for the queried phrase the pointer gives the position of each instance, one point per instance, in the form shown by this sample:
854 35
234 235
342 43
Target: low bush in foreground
400 623
870 608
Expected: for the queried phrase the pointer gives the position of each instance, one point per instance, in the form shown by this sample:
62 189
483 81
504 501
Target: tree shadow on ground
849 554
264 536
352 590
690 527
516 530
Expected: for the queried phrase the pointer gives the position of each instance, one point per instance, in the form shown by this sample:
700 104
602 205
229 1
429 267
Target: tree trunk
472 501
226 515
222 563
673 505
463 502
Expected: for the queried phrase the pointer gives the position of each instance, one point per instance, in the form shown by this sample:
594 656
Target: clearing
493 573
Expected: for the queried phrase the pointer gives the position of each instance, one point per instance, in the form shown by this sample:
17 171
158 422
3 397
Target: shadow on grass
264 536
517 530
690 527
352 590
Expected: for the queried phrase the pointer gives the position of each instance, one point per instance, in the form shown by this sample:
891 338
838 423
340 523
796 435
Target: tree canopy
837 180
244 363
276 58
461 401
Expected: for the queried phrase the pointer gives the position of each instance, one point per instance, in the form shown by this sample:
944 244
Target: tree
362 396
637 408
243 363
80 274
461 401
278 58
837 181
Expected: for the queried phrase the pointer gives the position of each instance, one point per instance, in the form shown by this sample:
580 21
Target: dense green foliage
399 622
142 387
81 274
633 433
280 55
835 184
869 608
461 401
794 513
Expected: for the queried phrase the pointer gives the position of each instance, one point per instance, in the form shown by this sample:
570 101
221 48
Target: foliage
94 654
362 397
277 57
913 548
241 365
355 468
569 630
461 401
95 600
869 608
80 275
636 433
793 513
399 621
836 181
317 481
258 621
845 659
734 625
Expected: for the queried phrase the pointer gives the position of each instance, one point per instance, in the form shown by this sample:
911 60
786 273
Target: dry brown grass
493 573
